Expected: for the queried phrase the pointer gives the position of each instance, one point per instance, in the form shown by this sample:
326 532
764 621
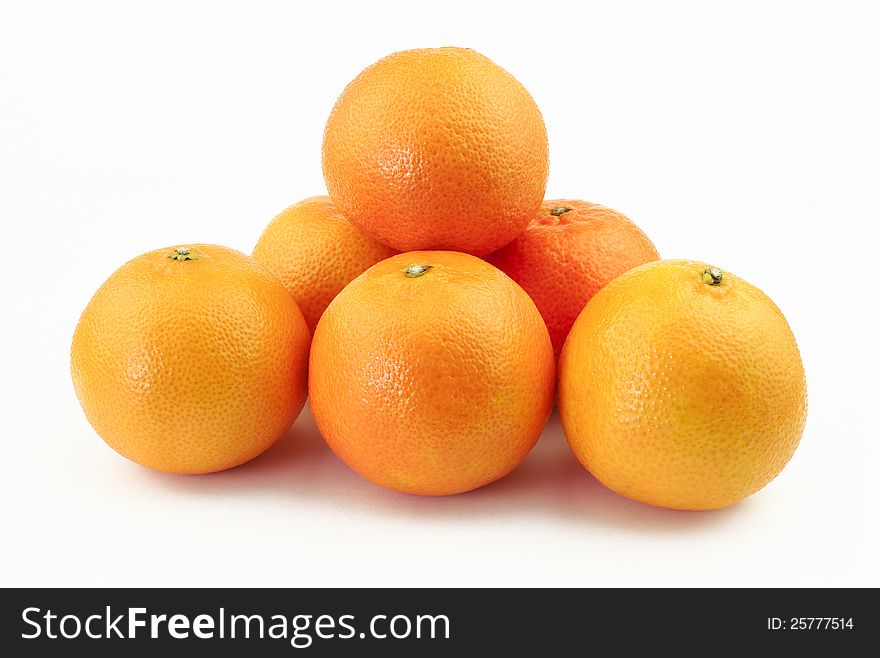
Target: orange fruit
682 386
431 373
191 359
436 149
315 251
569 250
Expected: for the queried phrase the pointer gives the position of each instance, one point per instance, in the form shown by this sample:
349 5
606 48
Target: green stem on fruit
415 271
559 210
713 276
181 254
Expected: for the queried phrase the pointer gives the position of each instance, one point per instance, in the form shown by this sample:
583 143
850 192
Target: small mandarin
314 251
431 373
681 385
567 253
436 149
191 359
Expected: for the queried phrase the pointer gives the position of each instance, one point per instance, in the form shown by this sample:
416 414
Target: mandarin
681 385
191 359
431 373
436 149
567 253
314 251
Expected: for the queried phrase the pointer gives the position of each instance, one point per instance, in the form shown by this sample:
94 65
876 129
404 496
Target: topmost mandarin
436 149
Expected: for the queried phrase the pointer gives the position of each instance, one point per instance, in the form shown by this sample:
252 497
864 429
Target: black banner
440 622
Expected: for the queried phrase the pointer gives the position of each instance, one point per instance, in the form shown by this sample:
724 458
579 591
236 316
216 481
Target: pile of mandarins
433 307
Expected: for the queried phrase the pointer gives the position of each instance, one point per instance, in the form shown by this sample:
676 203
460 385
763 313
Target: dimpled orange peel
681 385
437 148
431 373
191 359
568 251
315 252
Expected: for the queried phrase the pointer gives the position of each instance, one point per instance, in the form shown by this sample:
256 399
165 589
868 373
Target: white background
745 136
